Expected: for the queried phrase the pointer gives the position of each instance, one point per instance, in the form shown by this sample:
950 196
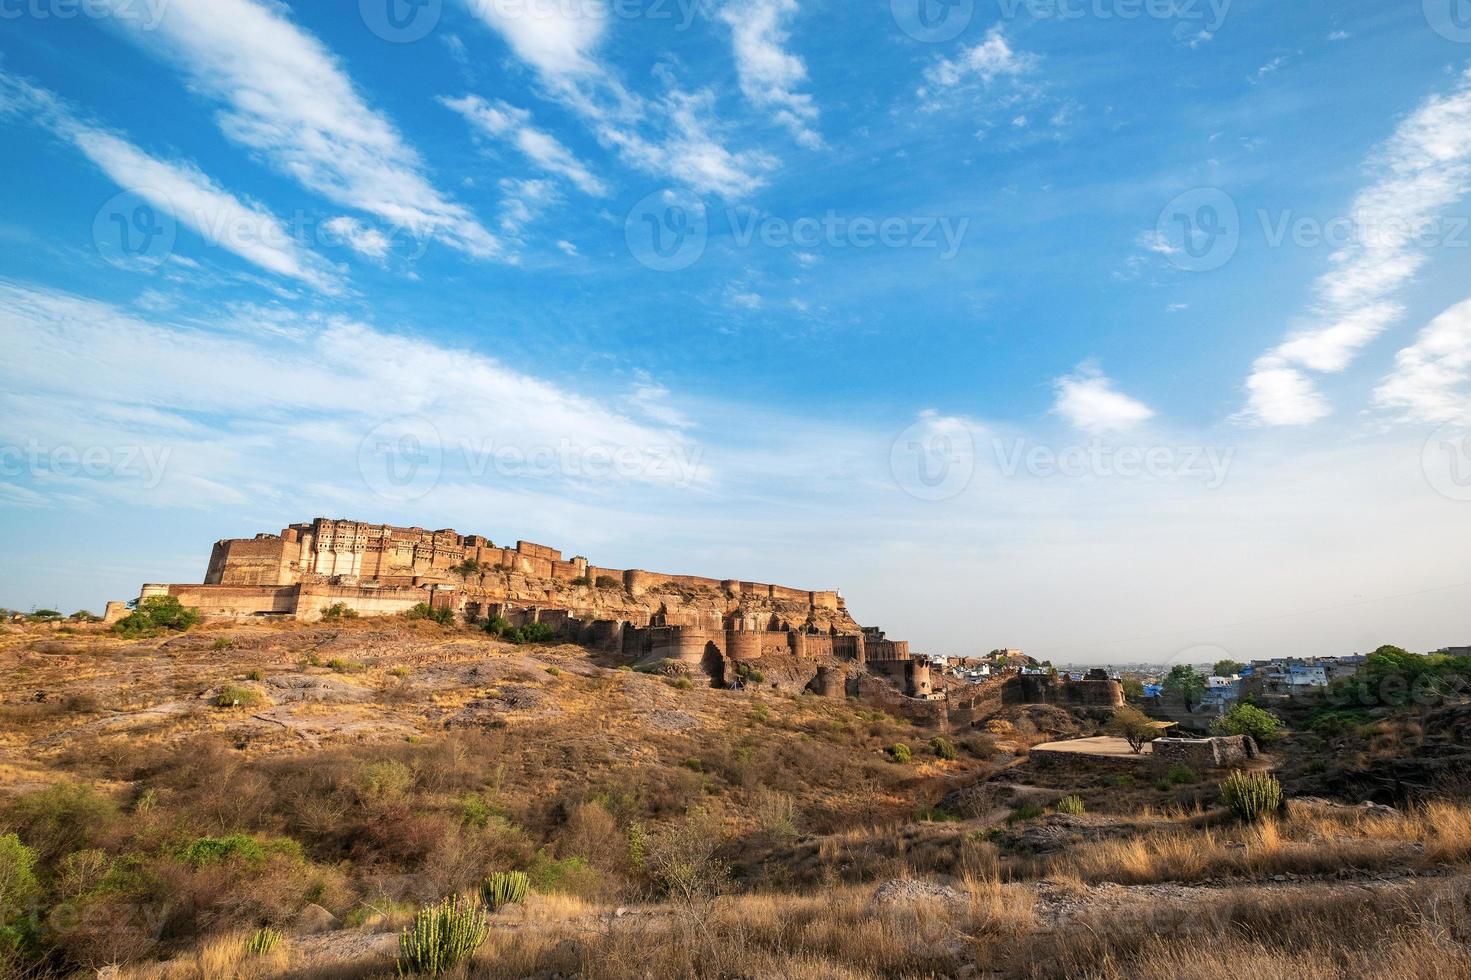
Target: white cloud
1088 401
227 397
1428 383
505 121
1423 169
992 58
558 39
179 188
567 247
285 96
770 74
362 238
674 135
524 202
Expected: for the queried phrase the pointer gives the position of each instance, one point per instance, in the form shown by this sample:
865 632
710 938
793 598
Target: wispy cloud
992 58
1423 169
1429 381
769 73
179 188
1089 401
674 135
507 122
226 397
284 95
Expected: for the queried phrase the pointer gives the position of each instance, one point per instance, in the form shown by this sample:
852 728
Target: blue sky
1111 329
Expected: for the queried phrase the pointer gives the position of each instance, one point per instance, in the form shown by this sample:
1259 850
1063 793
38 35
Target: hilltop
179 792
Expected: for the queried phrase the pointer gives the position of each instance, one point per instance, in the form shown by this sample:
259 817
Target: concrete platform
1107 746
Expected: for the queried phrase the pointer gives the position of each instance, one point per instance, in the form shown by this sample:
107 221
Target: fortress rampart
731 630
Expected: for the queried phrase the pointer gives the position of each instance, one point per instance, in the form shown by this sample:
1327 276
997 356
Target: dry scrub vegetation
350 774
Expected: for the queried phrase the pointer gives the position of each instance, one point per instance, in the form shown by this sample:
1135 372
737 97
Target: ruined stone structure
1095 690
1220 752
807 638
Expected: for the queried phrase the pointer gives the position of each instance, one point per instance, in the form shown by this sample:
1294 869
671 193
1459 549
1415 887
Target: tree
1248 719
1133 688
155 613
1225 668
466 568
1186 683
1133 726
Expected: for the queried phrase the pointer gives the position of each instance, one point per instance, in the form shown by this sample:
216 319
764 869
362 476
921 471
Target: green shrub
1248 719
60 819
341 666
154 614
582 580
263 942
1180 774
243 848
1072 805
504 888
497 626
609 582
1252 795
337 611
444 616
1123 780
256 675
555 671
17 878
942 747
466 568
231 696
548 874
1027 811
681 683
441 936
531 633
385 780
221 643
899 752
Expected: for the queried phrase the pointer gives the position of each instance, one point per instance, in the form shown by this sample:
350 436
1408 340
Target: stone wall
1220 752
1049 689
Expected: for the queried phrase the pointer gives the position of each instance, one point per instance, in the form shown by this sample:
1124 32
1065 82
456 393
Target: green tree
1225 668
1133 688
1186 683
1248 719
157 613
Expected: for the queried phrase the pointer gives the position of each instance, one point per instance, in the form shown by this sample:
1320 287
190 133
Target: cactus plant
441 936
262 942
505 888
1072 805
1251 795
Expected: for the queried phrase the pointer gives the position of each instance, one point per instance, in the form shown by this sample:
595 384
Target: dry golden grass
221 956
1309 840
